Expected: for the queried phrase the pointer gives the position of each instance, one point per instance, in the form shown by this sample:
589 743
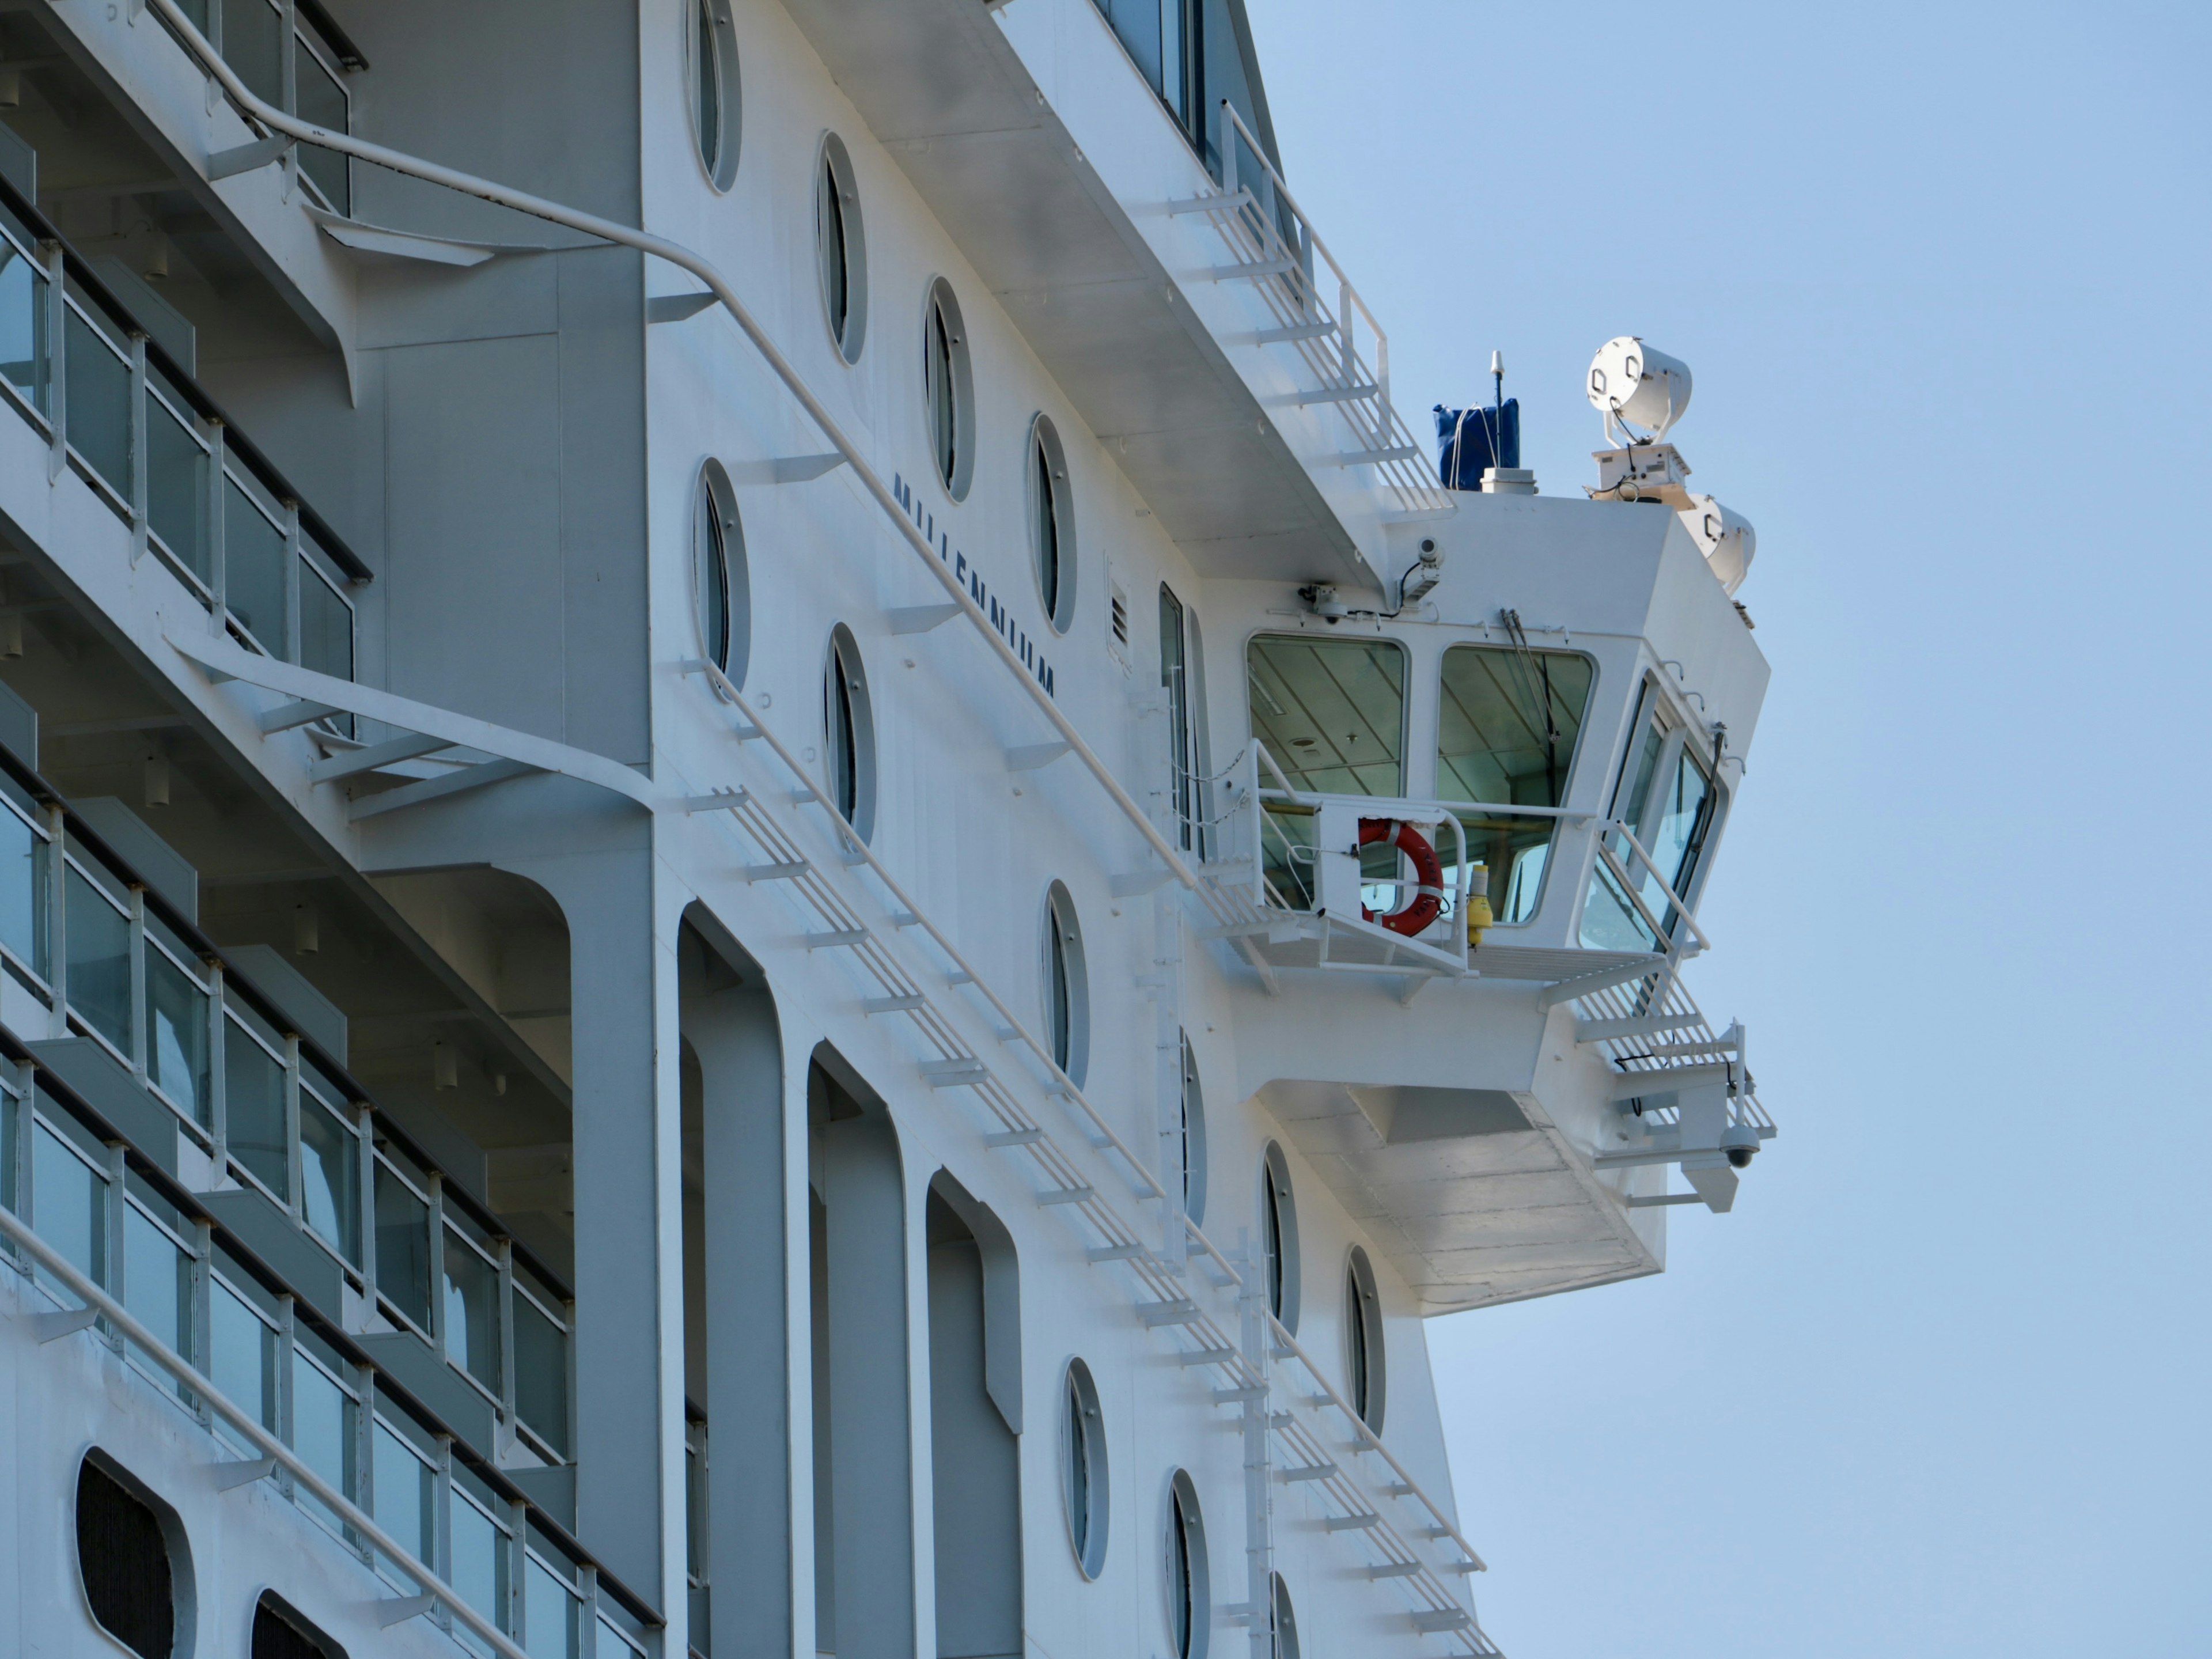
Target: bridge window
1670 802
840 249
1332 715
1508 719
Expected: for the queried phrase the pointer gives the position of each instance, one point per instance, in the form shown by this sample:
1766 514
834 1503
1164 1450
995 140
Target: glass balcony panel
322 1430
541 1375
322 100
99 418
253 569
177 1024
403 1248
157 1282
23 357
243 1366
176 488
329 1177
406 1495
252 40
99 962
68 1204
550 1613
253 1103
325 626
479 1563
1610 920
471 1311
23 892
8 1111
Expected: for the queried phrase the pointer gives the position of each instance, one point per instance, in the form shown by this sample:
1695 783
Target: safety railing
89 950
126 1253
867 928
1317 312
294 54
114 407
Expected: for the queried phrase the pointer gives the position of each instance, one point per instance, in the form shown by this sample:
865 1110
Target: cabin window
849 726
1052 524
1189 1589
1193 1137
1508 721
1363 1340
721 582
279 1632
1670 799
1083 1476
840 249
1182 681
1282 1620
713 50
1066 986
948 390
1278 1237
131 1558
1331 713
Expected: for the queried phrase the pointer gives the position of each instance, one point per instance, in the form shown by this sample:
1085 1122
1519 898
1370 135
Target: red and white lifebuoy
1429 897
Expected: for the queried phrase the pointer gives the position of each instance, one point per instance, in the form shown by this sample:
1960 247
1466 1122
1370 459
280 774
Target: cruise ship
780 873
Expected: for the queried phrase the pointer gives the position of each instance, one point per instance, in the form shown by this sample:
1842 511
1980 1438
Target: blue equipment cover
1469 439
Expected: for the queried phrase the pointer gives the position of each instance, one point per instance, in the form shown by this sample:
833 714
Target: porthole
840 249
849 729
1066 986
134 1562
1193 1139
711 46
1279 1236
1083 1476
721 599
1052 524
1189 1587
1282 1620
948 385
281 1632
1363 1340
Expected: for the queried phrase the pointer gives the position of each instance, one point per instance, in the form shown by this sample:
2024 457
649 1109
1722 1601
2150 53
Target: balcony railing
88 949
114 406
118 1247
293 53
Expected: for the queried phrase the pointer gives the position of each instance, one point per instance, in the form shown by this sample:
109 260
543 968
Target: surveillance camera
1741 1157
1740 1141
1429 554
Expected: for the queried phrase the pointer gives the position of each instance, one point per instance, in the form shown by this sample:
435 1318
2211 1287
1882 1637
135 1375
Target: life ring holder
1428 901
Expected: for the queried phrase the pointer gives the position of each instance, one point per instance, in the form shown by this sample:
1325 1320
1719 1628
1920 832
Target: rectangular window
1508 722
176 486
1670 803
403 1246
471 1311
329 1175
254 1102
1174 680
1332 712
406 1494
99 960
177 1029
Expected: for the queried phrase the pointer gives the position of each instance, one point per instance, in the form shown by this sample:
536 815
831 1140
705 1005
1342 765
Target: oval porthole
948 384
1189 1587
840 249
134 1561
1363 1340
849 729
1282 1620
1193 1139
1066 986
1083 1477
711 44
721 597
1052 524
1279 1236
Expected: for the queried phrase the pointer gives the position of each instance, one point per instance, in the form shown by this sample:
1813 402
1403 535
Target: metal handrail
1613 826
675 253
444 1594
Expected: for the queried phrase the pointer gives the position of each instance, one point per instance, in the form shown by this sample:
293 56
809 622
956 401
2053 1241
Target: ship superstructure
774 876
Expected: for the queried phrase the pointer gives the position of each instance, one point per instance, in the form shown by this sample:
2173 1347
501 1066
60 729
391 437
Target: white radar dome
1725 537
1630 381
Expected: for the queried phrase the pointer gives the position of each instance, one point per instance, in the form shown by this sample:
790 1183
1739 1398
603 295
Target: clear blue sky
1938 1387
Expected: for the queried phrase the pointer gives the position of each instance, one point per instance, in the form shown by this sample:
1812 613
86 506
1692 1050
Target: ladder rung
1295 332
1396 1570
841 937
1340 394
1254 269
1116 1252
1352 1522
1068 1195
1014 1138
776 871
1169 1313
1209 1357
892 1005
1309 1472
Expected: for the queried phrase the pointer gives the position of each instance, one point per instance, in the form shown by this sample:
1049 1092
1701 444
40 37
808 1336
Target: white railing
1273 244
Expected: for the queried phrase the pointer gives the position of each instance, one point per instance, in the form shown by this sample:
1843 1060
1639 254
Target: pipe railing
684 258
